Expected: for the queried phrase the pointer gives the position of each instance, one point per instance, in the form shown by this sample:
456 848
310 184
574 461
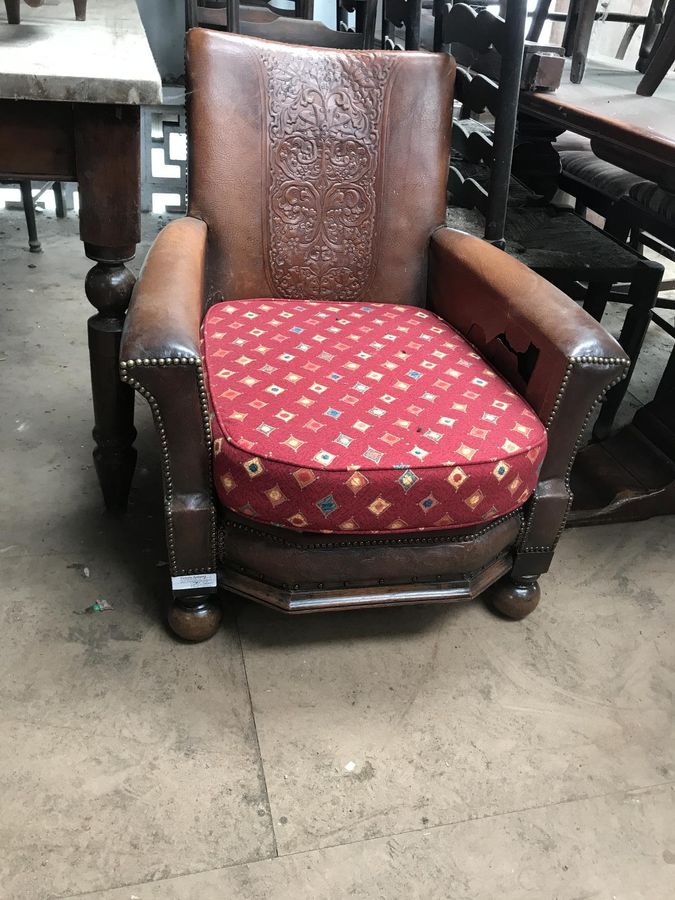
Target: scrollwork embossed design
324 121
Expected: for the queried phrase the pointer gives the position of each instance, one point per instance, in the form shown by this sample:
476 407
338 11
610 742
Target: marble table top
51 56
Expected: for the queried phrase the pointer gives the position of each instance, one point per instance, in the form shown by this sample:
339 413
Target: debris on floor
96 606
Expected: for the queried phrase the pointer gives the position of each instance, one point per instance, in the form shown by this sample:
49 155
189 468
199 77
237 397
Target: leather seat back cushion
352 417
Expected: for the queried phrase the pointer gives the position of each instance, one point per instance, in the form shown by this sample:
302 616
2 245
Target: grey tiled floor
411 753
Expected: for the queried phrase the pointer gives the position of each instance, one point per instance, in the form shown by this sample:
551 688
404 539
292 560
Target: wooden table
634 132
632 474
70 98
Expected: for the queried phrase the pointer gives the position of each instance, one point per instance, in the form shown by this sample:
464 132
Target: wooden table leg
13 10
107 148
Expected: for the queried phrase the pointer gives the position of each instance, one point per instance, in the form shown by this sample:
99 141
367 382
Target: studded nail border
571 363
197 363
169 362
384 541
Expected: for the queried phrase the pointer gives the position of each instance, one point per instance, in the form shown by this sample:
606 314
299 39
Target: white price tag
190 582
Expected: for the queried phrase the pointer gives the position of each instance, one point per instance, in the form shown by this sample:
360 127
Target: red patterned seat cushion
337 417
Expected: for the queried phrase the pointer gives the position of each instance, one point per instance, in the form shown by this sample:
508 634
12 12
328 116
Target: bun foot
514 600
196 619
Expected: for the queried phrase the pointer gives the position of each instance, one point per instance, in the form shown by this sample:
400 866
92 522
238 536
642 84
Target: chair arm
167 304
160 357
554 354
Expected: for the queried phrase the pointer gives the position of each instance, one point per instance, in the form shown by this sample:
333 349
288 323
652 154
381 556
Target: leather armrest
167 304
160 358
554 354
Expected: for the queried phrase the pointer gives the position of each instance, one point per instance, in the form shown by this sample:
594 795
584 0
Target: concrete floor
410 753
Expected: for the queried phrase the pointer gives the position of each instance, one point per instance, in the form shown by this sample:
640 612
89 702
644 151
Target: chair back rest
262 23
256 18
489 54
401 16
363 24
321 174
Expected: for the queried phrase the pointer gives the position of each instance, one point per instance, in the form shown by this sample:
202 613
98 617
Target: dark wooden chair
401 21
292 27
558 244
214 13
28 206
660 56
401 427
636 211
13 8
365 15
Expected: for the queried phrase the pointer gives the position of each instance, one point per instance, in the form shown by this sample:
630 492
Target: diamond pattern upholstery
351 417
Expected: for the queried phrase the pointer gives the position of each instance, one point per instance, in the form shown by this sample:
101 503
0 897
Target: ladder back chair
564 248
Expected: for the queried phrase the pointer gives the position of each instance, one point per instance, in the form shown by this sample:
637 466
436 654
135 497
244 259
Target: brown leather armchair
356 405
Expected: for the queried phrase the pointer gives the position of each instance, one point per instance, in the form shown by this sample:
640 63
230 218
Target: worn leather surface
167 304
163 323
566 358
290 557
318 172
258 109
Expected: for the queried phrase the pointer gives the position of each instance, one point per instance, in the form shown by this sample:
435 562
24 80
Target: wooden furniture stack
558 244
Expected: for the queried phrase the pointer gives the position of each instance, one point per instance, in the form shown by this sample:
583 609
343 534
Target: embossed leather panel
324 124
320 173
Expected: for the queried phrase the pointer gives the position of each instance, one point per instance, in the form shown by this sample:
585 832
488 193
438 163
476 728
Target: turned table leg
108 287
107 148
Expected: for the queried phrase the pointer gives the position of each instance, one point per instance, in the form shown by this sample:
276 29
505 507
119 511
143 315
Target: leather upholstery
288 167
387 559
243 101
167 305
557 357
161 333
361 418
